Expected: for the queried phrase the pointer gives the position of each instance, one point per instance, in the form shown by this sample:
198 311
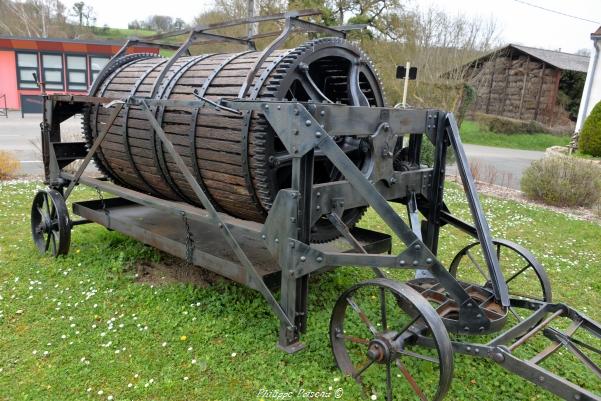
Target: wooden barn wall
517 87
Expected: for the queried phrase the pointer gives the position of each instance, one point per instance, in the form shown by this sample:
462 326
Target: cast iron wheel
50 223
525 276
383 329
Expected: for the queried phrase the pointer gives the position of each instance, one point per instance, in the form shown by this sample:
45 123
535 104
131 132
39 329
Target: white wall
592 88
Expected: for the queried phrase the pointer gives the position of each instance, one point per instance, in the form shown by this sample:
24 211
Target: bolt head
418 247
308 123
266 107
402 262
322 113
263 236
415 263
319 259
318 134
303 258
277 240
498 357
429 261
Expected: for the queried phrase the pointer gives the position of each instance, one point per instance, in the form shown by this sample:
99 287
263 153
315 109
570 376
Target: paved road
22 136
499 166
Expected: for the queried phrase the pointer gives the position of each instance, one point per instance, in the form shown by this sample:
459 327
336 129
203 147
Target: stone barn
527 83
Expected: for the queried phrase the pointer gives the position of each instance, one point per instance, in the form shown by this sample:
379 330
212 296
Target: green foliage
571 86
427 154
475 133
590 136
563 181
467 98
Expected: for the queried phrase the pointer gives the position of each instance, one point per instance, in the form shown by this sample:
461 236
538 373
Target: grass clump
476 133
563 181
9 165
590 136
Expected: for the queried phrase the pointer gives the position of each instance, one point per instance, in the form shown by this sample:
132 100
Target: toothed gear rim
101 80
330 73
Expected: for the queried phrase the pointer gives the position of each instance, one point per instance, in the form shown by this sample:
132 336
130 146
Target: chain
189 239
103 205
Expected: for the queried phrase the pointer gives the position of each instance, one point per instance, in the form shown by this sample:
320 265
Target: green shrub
504 125
563 181
590 136
427 153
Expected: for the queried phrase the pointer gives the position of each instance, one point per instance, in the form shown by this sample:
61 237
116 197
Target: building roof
563 61
596 34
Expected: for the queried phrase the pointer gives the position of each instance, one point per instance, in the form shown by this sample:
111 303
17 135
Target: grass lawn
119 33
82 328
472 132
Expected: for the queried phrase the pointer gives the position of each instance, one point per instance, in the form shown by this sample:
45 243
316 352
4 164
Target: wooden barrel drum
238 160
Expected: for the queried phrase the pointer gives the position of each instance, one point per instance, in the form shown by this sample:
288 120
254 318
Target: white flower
100 392
193 361
164 344
129 385
374 397
185 378
34 352
234 354
110 398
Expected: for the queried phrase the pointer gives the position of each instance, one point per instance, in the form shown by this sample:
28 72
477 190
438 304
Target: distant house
64 65
592 88
527 83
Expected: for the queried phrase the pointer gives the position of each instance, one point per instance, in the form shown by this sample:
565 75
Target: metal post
294 291
253 28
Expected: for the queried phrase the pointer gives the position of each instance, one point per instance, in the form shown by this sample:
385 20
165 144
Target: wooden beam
509 59
540 90
524 87
490 85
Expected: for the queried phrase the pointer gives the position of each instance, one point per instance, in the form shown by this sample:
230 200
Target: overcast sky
518 23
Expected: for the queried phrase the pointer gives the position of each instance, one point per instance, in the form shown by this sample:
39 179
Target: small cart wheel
391 341
525 276
50 223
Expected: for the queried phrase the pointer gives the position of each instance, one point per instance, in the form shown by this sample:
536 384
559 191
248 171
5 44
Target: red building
64 65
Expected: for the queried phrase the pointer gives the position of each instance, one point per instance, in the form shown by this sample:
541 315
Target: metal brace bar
498 281
227 234
95 146
346 233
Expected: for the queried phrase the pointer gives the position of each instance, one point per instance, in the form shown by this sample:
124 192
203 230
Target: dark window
97 63
77 73
27 65
52 67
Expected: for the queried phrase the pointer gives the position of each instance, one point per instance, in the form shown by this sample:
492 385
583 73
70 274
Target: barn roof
563 61
596 34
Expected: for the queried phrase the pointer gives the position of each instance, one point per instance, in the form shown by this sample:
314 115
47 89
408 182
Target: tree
83 12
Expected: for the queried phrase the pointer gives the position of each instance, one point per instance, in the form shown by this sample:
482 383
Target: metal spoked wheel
391 341
50 223
525 276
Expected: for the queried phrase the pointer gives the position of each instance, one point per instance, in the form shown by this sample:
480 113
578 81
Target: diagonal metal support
118 106
254 277
484 236
346 233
